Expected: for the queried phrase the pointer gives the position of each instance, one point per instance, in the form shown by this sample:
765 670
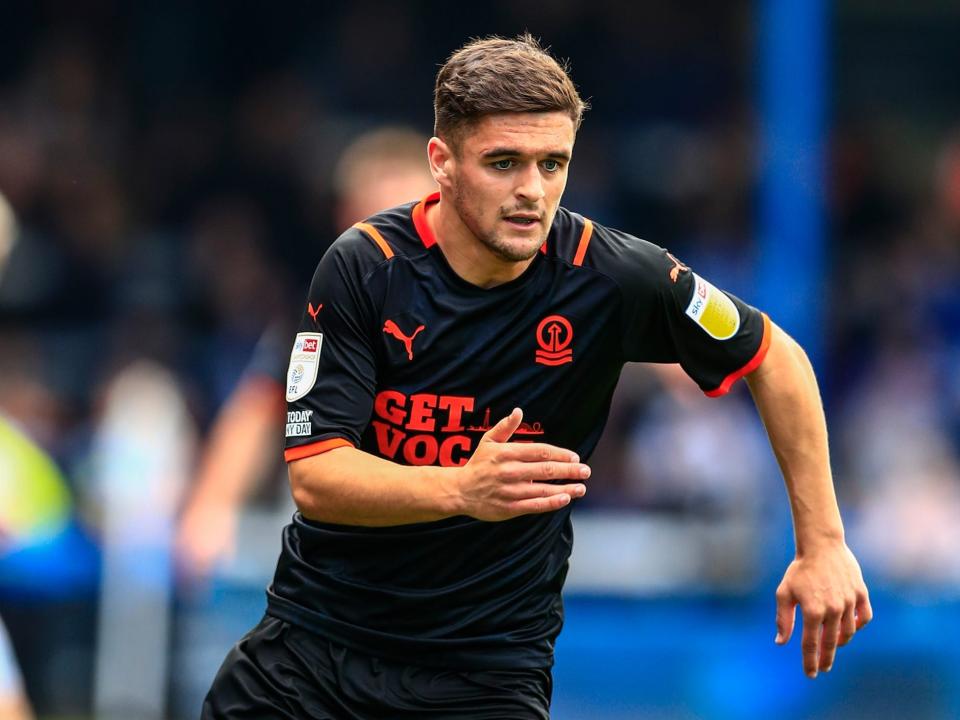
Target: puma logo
391 328
678 267
313 313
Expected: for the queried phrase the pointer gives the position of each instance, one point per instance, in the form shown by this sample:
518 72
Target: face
506 178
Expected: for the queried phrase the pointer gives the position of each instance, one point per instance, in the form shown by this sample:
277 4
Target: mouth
522 220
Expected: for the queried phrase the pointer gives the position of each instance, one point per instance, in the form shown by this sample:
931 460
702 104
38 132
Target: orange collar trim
420 219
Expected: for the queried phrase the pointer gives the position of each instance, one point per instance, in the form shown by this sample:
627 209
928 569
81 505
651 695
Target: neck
465 253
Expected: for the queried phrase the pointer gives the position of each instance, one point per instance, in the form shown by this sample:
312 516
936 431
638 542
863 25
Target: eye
551 166
504 164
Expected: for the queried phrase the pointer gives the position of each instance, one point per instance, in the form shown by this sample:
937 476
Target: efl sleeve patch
713 311
304 363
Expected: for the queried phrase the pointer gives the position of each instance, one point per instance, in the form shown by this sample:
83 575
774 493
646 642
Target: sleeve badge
304 363
713 310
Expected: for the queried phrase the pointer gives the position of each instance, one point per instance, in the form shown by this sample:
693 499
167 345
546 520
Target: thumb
503 430
786 616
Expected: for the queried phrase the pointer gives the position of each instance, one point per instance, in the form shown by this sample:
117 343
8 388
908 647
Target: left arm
824 579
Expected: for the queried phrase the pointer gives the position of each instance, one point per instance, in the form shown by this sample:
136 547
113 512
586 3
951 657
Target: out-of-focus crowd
170 184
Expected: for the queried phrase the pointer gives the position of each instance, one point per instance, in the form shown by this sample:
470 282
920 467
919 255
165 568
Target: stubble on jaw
490 240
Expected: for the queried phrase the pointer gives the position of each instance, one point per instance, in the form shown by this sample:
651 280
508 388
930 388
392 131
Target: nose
530 184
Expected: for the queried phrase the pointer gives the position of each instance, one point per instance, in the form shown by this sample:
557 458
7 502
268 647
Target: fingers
830 591
540 505
848 625
204 538
786 615
810 642
503 430
524 497
541 471
516 478
829 638
864 610
821 636
524 491
532 452
532 461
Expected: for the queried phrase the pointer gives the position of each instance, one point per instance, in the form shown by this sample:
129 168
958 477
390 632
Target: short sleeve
331 375
673 314
717 337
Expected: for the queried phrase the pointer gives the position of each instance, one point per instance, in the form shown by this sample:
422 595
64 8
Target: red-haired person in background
377 170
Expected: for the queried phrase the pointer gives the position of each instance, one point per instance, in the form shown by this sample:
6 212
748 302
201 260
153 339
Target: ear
442 161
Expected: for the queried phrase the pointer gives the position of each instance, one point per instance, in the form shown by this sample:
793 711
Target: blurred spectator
905 471
34 512
379 169
241 466
659 449
13 701
901 450
674 448
8 233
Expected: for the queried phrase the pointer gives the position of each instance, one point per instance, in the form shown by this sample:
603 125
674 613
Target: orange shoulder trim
754 363
376 237
316 448
584 242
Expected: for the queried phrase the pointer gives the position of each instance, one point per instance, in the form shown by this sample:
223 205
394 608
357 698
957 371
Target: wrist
810 542
451 498
211 501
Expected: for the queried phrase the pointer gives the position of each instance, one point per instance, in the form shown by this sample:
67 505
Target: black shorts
279 670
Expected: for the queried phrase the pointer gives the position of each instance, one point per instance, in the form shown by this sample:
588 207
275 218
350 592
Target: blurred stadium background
170 175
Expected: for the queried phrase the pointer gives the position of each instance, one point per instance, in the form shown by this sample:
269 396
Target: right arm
236 458
500 481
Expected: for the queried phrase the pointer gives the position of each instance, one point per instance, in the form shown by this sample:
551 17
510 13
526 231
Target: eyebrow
513 152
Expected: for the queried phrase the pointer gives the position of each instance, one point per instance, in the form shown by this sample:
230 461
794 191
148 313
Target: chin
514 250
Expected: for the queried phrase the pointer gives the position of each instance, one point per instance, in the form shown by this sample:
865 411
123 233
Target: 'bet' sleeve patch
304 363
713 311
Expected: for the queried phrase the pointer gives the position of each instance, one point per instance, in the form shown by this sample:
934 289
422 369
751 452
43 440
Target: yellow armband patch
712 310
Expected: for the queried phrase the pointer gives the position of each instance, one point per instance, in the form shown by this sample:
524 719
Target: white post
142 455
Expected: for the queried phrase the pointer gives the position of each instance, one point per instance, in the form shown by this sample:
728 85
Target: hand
205 537
828 586
503 479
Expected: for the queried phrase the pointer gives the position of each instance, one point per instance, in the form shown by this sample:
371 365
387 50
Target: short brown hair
494 75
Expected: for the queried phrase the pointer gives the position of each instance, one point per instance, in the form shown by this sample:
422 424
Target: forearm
351 487
242 444
500 481
785 391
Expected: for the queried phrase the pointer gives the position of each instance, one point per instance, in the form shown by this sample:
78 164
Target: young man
454 366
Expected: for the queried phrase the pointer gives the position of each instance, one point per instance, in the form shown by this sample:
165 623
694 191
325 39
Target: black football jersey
401 357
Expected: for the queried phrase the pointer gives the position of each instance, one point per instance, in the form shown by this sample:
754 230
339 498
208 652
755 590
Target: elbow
303 489
315 481
791 348
785 358
781 336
